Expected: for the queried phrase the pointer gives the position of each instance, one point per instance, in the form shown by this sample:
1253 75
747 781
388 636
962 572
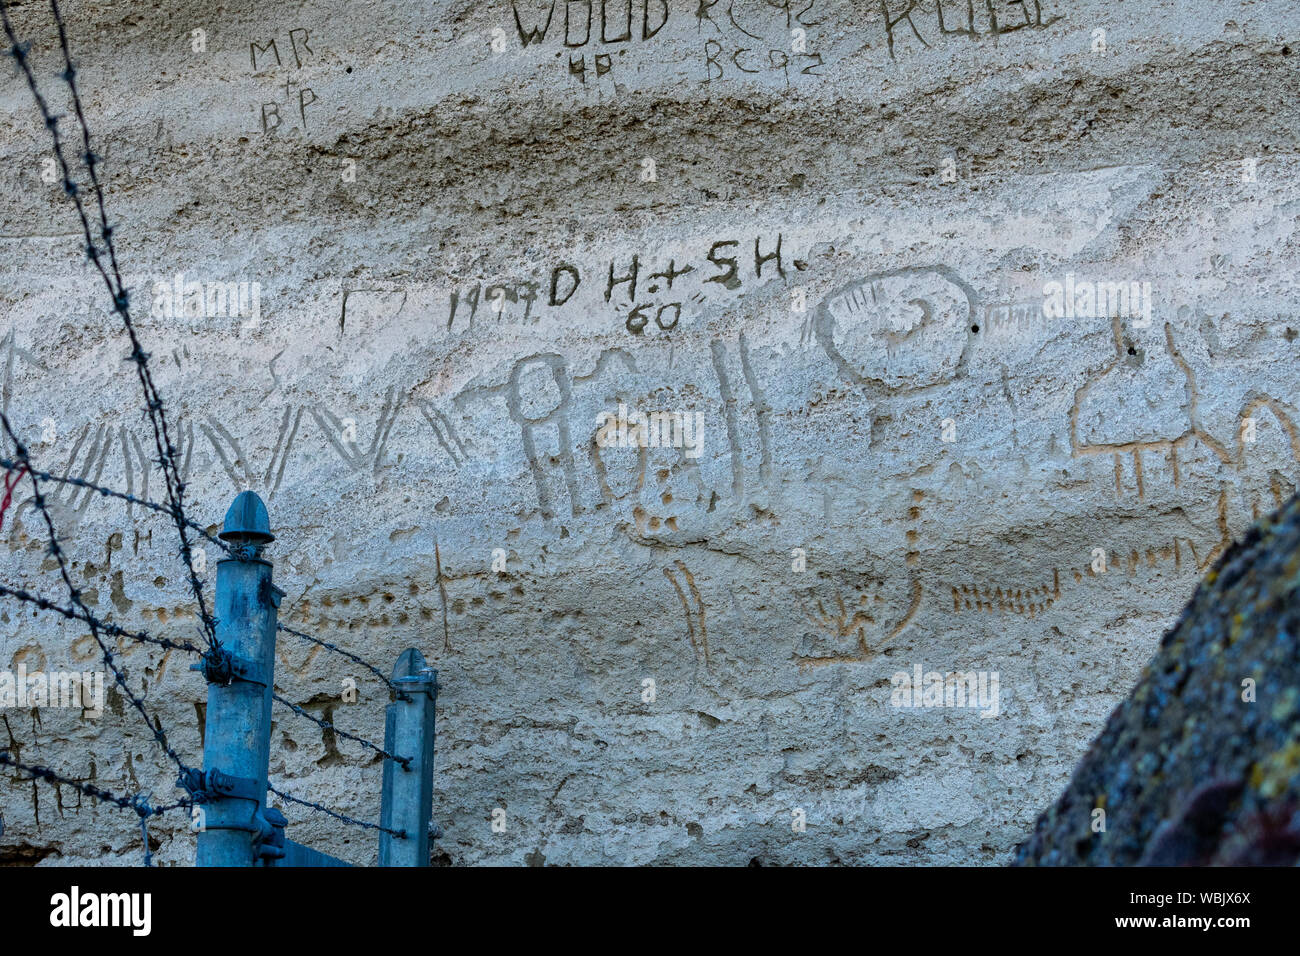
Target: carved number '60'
638 318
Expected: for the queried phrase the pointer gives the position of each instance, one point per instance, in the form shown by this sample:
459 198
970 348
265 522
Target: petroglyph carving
539 399
1139 403
1143 407
623 475
283 443
696 631
732 415
341 434
856 629
1013 600
12 354
68 501
1267 454
875 614
445 432
908 327
853 619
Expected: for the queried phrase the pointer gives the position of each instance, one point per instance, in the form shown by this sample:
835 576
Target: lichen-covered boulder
1201 764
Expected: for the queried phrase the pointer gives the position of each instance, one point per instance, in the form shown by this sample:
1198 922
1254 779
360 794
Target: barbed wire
82 614
106 626
117 290
400 834
56 551
326 725
137 802
70 75
144 637
340 651
166 461
106 492
110 628
121 301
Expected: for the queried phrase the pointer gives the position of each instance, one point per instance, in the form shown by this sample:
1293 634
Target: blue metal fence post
240 673
408 790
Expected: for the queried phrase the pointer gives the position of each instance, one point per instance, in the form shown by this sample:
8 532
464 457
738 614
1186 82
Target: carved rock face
476 227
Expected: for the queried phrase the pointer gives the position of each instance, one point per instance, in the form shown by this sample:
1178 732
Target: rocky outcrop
1201 764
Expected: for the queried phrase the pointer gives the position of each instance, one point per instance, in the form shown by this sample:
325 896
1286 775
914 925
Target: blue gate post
240 673
408 790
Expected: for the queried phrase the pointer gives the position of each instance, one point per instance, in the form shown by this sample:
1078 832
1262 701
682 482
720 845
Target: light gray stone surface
390 399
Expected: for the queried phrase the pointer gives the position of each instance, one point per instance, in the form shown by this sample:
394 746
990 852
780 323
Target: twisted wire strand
104 492
401 834
75 614
338 650
326 725
137 802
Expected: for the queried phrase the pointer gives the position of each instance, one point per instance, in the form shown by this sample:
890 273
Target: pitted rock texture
825 228
1201 764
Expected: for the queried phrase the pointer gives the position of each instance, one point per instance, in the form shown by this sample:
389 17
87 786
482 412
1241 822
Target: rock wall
970 331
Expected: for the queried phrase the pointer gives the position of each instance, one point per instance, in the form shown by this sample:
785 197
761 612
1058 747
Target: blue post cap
247 520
